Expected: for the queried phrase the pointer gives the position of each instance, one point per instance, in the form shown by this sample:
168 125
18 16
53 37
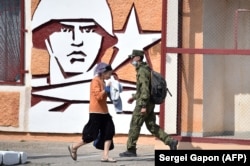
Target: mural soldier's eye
65 29
88 29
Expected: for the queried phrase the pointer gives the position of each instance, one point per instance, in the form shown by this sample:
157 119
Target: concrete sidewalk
56 153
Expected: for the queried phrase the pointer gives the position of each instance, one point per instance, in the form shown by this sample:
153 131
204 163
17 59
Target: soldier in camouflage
144 109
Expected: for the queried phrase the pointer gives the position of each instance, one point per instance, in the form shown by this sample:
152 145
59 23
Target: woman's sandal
72 152
111 160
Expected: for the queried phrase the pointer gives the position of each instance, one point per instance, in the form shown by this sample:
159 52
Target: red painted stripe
207 51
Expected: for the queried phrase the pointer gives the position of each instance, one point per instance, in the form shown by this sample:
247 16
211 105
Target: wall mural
75 35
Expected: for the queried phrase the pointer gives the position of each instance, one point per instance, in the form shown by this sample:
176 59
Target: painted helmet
97 10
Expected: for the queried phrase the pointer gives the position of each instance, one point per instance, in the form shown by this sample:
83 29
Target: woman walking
100 124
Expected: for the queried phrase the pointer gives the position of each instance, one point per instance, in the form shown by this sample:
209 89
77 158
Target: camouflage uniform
142 98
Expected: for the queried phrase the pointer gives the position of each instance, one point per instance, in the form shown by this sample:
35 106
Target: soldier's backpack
159 88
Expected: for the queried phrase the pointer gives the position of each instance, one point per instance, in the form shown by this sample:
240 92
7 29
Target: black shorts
98 123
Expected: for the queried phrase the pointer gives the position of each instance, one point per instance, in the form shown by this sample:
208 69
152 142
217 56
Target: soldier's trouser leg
135 128
155 129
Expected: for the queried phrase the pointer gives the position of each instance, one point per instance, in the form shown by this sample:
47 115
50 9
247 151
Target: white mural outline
74 92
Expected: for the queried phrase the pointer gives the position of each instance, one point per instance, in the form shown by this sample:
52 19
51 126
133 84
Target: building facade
48 56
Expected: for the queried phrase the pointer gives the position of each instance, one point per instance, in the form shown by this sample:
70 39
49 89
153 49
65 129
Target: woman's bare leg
105 156
77 145
106 149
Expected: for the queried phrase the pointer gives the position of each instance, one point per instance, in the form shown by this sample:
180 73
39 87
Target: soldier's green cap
136 53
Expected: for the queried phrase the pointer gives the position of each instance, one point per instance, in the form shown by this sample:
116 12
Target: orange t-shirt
98 97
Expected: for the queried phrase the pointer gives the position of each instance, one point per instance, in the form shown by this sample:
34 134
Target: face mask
134 63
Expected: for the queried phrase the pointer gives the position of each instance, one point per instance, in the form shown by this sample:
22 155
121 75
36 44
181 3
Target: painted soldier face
76 46
73 45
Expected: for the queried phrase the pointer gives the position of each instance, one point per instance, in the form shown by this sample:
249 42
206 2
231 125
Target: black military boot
128 153
173 144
